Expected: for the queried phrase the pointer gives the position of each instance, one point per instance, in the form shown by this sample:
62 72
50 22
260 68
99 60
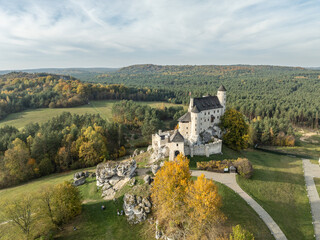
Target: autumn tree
204 204
183 208
235 129
20 213
16 161
92 146
60 203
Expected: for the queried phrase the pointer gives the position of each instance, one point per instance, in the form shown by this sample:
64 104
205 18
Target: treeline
20 91
143 119
64 142
287 93
272 98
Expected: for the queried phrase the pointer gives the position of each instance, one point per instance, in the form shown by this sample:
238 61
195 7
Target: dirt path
306 136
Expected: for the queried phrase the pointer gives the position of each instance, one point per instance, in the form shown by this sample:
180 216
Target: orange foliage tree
184 208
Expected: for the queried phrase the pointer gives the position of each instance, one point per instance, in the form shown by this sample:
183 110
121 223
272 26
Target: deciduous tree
236 129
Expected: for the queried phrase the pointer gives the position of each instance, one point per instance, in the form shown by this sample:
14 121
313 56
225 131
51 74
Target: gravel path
311 171
229 179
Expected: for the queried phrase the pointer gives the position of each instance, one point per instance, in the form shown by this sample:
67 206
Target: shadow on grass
95 223
266 175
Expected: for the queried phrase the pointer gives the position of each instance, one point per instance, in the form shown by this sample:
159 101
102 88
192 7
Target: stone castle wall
206 149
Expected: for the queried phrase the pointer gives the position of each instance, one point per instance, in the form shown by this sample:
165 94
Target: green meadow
41 115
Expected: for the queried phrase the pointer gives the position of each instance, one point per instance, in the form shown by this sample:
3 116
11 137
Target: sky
117 33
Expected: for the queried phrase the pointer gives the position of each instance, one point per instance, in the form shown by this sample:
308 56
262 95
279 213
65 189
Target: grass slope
94 223
308 148
97 224
104 107
238 211
278 185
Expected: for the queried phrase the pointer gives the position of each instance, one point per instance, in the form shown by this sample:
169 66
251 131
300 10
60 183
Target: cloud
70 33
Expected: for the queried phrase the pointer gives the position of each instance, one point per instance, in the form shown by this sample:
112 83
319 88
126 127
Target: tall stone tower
222 96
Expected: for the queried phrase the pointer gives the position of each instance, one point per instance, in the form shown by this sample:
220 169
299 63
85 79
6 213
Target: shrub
244 167
214 166
238 233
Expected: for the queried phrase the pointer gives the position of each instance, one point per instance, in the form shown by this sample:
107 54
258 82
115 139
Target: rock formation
136 208
112 176
80 177
155 168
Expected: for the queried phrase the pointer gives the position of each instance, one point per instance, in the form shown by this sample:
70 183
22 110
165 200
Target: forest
64 142
20 91
274 99
75 141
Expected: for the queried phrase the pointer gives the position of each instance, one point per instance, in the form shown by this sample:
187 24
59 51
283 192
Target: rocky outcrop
135 153
147 179
136 208
112 176
79 181
80 177
159 153
155 168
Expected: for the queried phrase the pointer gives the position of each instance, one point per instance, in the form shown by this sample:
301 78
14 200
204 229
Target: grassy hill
96 224
41 115
277 184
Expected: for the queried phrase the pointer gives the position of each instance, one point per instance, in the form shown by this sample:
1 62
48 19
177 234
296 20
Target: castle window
186 127
177 144
217 111
212 118
214 111
205 113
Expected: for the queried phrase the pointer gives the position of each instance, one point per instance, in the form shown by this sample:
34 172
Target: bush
214 166
238 233
244 167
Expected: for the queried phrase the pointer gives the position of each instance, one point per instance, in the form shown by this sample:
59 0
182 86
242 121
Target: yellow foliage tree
184 208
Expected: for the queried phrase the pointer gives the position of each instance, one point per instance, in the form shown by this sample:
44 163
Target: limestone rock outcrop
112 176
136 208
155 168
80 177
159 153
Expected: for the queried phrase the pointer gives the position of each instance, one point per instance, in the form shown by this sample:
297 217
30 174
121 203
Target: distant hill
84 74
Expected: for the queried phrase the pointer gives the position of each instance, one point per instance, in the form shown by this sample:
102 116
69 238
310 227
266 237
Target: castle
198 132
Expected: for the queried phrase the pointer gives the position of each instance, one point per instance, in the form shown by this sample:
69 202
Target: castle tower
222 96
195 127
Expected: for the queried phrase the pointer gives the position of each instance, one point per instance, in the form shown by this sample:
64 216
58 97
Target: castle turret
222 96
195 126
190 105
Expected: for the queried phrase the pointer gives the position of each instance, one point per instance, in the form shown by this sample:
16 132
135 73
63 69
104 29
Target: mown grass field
278 186
104 108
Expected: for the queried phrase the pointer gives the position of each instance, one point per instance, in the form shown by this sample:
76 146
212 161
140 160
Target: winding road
229 179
